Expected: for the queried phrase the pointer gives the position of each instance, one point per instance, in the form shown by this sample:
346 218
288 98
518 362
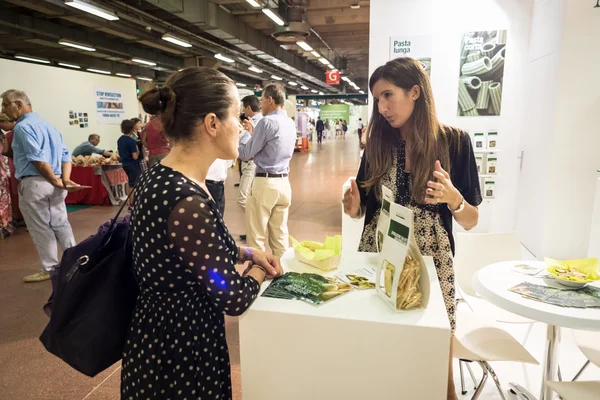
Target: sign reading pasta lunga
481 73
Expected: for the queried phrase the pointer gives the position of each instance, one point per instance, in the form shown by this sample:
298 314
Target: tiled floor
27 371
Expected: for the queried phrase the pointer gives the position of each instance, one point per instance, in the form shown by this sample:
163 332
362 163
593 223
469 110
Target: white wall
55 91
446 21
574 157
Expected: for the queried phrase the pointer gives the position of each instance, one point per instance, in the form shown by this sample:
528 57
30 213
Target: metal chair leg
479 388
581 370
462 378
472 375
495 378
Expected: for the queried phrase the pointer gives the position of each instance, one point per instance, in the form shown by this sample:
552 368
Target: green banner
335 111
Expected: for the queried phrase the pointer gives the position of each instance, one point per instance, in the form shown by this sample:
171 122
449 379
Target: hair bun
165 95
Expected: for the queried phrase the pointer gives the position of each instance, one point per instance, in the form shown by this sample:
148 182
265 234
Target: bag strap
114 221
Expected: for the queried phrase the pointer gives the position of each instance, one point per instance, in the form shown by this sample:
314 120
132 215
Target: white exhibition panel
354 347
56 91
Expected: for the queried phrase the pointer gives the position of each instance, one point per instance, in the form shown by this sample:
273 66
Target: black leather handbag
93 301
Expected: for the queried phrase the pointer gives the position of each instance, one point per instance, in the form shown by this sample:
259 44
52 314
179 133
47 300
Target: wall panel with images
74 98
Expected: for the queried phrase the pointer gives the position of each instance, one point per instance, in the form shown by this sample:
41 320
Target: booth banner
335 111
115 180
481 73
417 47
109 106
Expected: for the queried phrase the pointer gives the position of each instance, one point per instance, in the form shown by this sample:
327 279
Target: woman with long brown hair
429 168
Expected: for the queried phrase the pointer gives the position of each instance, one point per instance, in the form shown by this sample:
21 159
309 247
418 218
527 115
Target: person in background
183 254
320 129
251 107
138 129
6 213
7 126
43 164
429 167
344 128
361 126
271 143
338 128
89 147
130 154
215 182
155 141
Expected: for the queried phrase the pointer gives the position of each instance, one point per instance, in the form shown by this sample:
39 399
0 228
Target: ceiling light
92 9
34 59
69 65
174 39
124 75
276 77
142 61
324 61
355 6
76 45
314 91
331 67
316 54
321 93
276 18
361 91
221 57
304 46
240 84
253 3
304 87
293 83
257 70
99 71
345 78
144 78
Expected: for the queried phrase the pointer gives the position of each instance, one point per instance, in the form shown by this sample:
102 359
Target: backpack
93 299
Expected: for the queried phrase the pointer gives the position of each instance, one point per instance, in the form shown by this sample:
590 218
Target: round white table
492 283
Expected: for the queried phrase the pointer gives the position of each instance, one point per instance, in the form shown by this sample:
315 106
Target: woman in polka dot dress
183 254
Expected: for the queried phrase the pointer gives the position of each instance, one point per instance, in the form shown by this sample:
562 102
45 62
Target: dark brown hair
251 101
276 92
426 140
127 126
188 96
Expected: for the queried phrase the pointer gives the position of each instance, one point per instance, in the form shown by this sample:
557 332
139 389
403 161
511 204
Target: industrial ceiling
253 41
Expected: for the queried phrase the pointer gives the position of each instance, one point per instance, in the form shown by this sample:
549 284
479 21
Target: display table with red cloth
88 176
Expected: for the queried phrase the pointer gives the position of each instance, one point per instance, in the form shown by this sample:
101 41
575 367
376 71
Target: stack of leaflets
311 288
360 278
588 296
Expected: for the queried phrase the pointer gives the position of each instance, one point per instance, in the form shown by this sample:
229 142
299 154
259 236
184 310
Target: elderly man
271 143
89 147
43 164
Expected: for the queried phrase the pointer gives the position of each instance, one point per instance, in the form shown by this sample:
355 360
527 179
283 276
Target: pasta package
401 279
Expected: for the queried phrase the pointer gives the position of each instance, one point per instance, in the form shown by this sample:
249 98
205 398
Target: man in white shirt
215 182
251 107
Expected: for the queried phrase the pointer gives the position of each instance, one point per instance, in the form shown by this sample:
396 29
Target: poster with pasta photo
481 73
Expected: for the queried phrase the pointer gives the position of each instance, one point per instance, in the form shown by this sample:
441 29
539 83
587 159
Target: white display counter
354 347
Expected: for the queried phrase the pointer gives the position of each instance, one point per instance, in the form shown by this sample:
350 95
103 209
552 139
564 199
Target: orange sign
332 77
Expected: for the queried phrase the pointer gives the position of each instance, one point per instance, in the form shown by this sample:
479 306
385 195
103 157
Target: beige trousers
248 172
267 209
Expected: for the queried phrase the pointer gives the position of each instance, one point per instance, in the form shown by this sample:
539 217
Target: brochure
361 278
527 269
588 296
311 288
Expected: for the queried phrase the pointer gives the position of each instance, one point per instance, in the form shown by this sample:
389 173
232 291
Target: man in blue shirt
89 147
271 143
43 165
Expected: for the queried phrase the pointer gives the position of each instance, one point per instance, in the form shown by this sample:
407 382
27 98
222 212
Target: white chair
473 252
589 344
479 339
589 390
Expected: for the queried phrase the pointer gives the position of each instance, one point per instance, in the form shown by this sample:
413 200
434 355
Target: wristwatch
461 207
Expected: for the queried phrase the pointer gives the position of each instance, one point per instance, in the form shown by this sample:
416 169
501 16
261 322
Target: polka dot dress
184 259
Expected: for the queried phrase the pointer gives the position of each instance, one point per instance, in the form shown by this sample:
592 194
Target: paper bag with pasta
402 280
